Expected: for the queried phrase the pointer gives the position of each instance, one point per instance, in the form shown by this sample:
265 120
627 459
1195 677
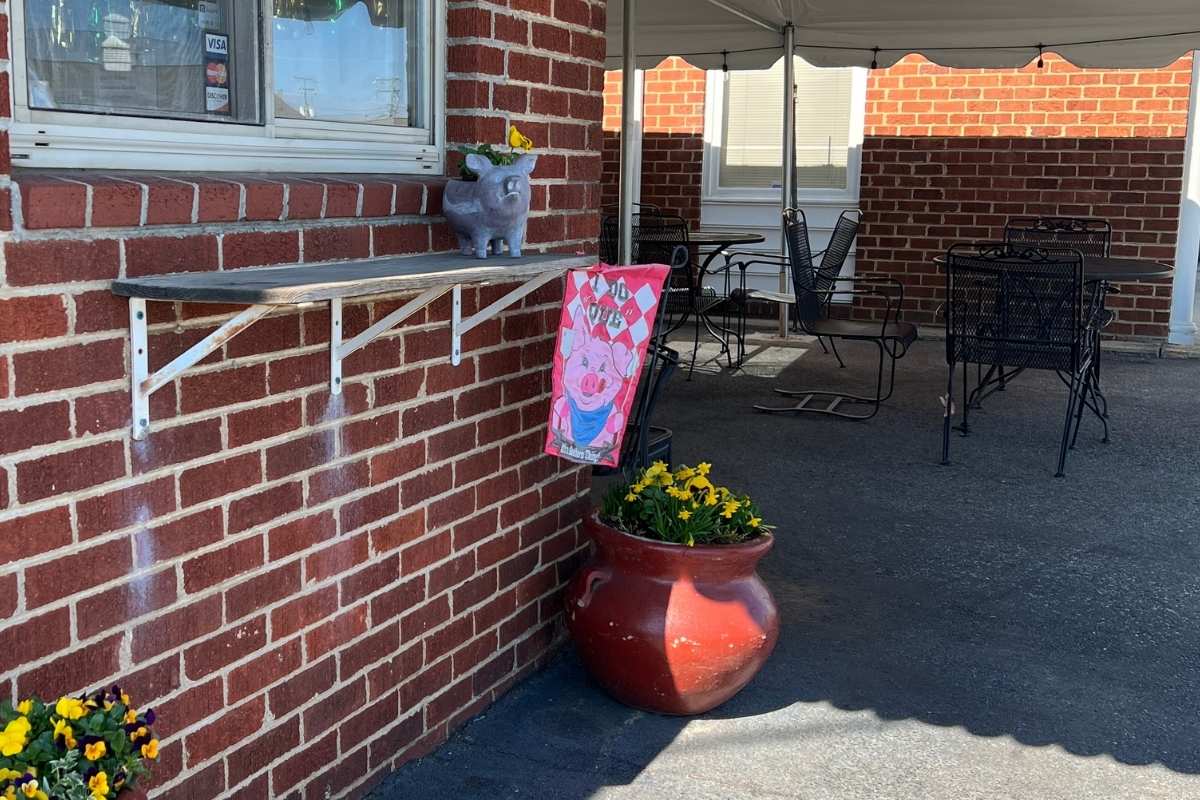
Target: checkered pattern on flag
606 324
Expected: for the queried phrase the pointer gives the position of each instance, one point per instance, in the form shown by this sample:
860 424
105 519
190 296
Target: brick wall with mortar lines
949 155
309 592
673 140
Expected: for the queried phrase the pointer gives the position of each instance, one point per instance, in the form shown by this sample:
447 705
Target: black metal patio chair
663 239
1021 308
1089 236
813 292
827 272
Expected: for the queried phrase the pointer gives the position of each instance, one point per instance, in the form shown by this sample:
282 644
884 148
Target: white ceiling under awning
954 33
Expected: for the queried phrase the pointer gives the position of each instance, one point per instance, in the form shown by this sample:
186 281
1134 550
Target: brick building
947 155
309 592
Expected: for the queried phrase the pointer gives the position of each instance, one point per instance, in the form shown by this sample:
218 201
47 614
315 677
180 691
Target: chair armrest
889 282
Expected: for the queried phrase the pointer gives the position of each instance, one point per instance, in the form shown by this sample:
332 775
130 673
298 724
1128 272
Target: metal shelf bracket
459 327
145 383
340 351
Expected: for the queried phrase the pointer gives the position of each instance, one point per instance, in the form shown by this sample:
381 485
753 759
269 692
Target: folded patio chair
814 288
645 442
1026 308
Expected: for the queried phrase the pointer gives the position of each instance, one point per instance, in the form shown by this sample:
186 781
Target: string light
1041 63
724 61
875 51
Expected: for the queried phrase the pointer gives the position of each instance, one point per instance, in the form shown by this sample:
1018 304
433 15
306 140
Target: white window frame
713 192
65 139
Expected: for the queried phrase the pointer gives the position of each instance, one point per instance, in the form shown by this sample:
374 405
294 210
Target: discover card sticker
216 100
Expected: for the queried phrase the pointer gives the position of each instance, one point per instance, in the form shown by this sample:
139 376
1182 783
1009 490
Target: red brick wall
673 142
308 592
949 155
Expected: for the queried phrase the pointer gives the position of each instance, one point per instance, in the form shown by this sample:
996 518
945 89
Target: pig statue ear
525 163
478 164
622 355
580 335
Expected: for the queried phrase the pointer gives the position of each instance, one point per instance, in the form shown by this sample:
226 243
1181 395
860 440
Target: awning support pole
1185 297
629 165
788 184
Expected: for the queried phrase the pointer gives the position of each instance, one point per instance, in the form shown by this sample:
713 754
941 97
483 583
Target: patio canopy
753 34
748 34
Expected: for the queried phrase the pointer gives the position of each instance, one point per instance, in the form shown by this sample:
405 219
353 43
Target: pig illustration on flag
606 325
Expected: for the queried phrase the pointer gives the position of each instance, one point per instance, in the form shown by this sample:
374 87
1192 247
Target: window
745 131
329 85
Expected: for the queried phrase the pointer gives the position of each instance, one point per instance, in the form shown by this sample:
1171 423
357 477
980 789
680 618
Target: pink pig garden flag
607 323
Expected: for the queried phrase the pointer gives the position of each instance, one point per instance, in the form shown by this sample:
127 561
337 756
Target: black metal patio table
714 243
1103 269
1113 270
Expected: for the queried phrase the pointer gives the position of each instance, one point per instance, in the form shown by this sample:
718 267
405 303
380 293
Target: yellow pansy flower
8 774
70 708
98 785
150 749
14 737
95 750
30 789
518 140
730 507
130 716
140 733
685 515
61 728
24 707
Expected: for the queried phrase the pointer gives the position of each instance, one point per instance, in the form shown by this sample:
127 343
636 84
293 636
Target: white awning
747 34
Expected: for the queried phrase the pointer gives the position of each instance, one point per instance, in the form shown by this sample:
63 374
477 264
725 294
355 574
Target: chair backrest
610 230
1017 307
838 250
1091 237
809 293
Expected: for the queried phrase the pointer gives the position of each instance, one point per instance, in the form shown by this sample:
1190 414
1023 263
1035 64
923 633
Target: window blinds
752 127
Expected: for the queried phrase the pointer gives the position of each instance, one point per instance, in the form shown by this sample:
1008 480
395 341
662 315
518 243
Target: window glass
752 127
355 61
181 59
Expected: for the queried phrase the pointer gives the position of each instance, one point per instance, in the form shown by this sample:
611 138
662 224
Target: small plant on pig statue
489 206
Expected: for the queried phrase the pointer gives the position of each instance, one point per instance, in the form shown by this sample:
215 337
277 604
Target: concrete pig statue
491 209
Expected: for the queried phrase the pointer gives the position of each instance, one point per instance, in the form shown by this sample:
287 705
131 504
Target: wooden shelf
347 279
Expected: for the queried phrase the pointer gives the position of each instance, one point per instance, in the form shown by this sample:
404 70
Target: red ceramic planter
668 628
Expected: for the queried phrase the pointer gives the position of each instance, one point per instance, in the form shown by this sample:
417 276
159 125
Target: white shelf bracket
339 350
459 327
144 383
